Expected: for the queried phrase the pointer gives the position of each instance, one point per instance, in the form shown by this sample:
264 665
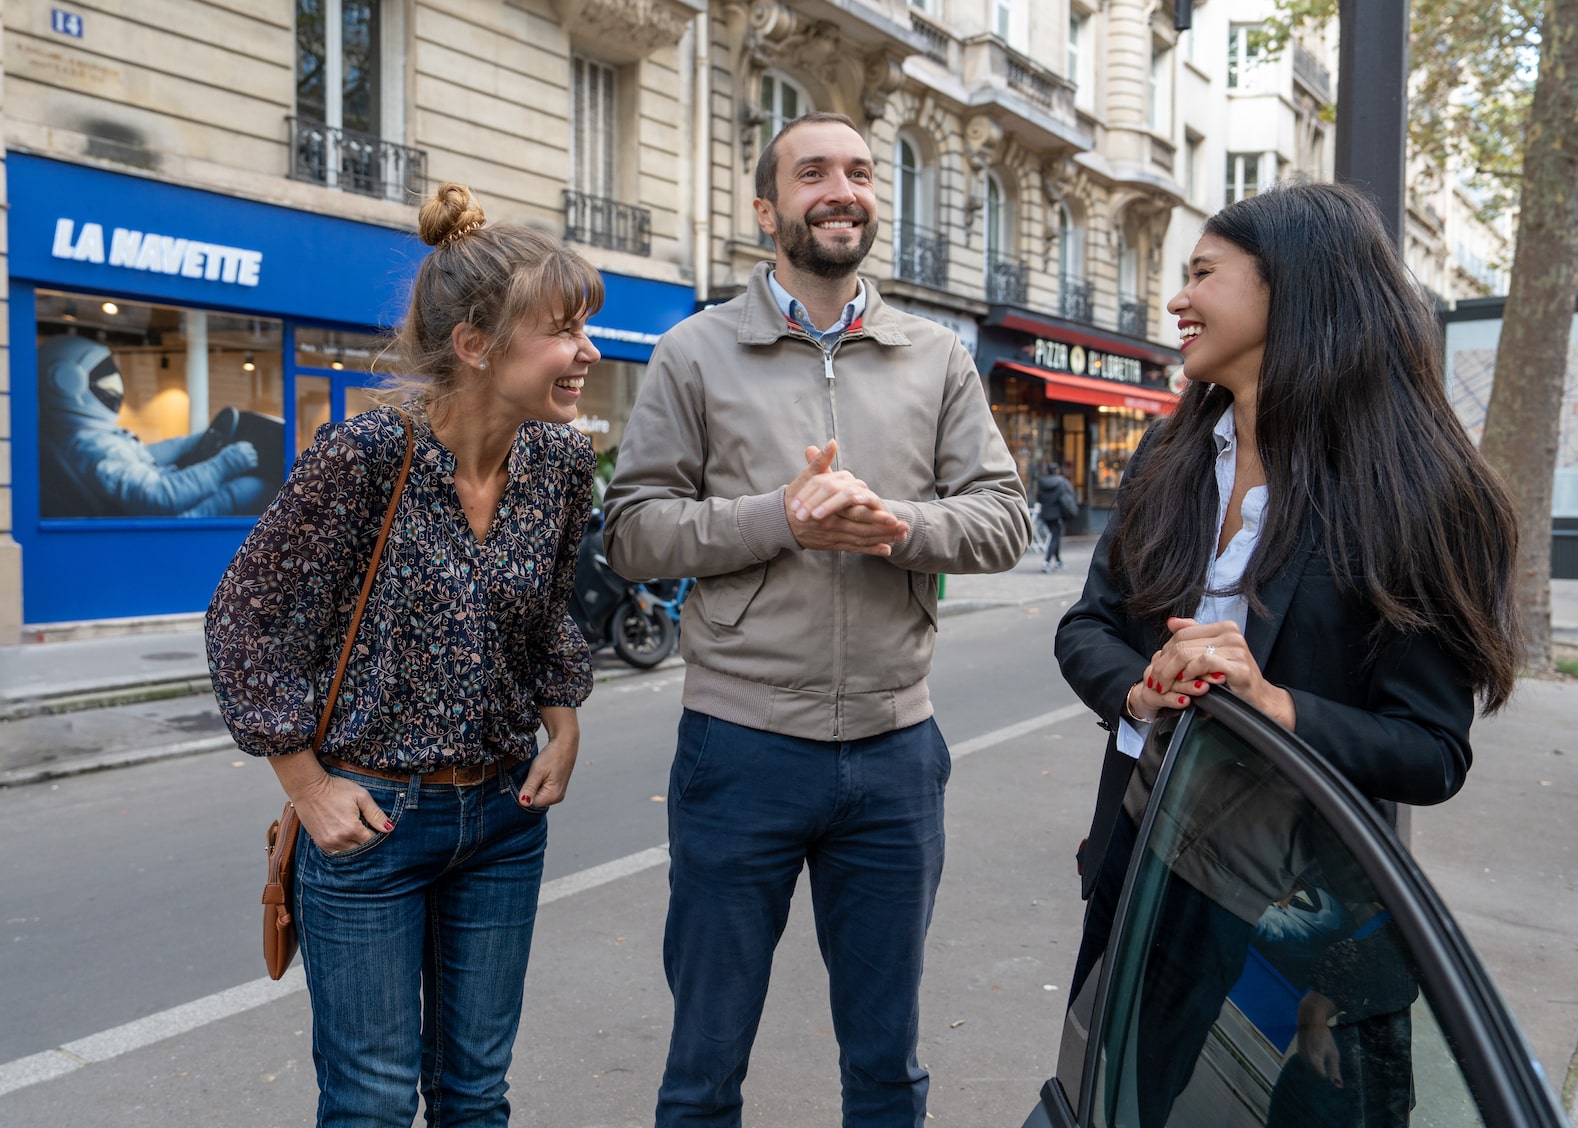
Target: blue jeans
746 810
415 948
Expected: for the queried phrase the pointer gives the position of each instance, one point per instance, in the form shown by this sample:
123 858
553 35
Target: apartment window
1070 245
996 216
919 251
1079 57
1161 90
1191 169
912 189
1243 56
782 100
338 76
1003 22
1243 176
593 109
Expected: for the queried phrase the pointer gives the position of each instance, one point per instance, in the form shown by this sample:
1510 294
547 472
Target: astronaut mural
90 466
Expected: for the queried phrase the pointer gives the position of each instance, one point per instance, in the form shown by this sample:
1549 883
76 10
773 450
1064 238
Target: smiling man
807 737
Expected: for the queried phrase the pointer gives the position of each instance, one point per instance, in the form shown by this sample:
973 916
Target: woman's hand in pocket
338 814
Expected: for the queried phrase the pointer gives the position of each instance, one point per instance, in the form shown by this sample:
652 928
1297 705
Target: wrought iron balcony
1308 70
920 255
598 221
356 162
1133 318
1074 299
1007 280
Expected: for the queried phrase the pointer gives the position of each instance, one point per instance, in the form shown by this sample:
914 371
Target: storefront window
1033 436
341 350
606 401
1118 431
156 411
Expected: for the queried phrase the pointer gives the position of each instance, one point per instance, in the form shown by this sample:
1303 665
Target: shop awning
1098 393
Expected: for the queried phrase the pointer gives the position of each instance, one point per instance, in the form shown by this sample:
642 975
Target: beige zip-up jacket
817 645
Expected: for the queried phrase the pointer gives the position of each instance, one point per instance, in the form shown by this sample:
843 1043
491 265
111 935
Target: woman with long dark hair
1312 529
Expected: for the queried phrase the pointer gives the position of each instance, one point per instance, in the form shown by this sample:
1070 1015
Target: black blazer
1392 717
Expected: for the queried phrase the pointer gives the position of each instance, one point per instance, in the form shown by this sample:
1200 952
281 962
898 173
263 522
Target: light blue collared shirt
1217 605
795 311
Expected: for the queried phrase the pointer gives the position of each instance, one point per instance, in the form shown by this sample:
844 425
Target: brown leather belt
454 775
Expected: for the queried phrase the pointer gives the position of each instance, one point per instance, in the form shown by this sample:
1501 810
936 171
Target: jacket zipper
839 615
840 644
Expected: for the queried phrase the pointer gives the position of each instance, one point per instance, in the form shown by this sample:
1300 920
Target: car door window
1274 965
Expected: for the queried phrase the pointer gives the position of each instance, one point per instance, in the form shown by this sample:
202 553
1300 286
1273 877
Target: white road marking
118 1040
1014 732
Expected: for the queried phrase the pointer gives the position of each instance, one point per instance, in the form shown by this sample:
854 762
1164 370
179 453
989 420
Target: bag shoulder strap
367 587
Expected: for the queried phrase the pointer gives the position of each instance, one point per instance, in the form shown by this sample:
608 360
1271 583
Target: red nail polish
1183 701
1219 677
388 826
1148 684
1199 685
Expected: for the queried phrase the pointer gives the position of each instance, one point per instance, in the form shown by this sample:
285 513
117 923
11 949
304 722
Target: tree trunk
1523 421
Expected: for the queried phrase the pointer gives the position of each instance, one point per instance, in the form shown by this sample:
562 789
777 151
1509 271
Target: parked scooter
671 595
612 611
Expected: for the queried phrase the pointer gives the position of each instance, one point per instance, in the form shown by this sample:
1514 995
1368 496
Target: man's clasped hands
834 511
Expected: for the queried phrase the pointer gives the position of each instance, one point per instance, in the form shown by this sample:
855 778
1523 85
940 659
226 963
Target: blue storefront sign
141 311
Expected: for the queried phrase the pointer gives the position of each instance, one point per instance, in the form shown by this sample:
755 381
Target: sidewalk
90 704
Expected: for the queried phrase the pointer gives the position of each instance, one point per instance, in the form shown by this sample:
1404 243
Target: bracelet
1129 714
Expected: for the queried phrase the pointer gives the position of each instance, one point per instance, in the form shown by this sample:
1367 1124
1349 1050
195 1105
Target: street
131 892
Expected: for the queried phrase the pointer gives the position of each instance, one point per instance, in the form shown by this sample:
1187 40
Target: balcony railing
600 222
355 162
1007 280
938 41
1074 299
1133 318
996 74
1308 70
920 256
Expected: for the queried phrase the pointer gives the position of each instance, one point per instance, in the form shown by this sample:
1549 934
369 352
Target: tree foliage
1472 70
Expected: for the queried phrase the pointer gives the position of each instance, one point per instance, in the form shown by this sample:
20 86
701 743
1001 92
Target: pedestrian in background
423 815
1055 503
807 735
1311 529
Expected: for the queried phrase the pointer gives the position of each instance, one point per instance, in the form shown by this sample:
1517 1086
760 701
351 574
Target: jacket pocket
923 590
725 598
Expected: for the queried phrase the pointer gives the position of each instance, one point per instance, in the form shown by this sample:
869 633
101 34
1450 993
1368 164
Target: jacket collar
763 323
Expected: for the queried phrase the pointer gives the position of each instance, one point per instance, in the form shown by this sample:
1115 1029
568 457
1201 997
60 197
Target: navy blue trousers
747 809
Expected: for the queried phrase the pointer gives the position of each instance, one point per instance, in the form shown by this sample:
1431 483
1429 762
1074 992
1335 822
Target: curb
102 697
107 760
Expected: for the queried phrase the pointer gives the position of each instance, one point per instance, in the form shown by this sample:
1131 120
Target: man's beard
799 243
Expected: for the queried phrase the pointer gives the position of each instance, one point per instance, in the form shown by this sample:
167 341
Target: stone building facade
212 201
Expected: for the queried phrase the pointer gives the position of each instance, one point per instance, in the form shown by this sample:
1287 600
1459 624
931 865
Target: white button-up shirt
1218 605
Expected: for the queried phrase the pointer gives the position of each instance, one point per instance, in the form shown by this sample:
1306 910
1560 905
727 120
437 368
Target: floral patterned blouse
463 641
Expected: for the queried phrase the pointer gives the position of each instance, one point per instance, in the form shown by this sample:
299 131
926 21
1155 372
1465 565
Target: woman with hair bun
424 809
1312 529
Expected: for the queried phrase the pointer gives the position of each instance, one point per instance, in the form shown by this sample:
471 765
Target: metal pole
1372 104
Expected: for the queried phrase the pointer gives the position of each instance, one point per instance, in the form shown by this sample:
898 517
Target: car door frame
1507 1081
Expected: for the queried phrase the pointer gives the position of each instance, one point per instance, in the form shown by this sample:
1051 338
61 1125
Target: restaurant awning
1099 393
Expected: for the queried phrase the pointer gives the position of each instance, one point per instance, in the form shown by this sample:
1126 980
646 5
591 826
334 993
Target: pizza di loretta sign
1059 356
161 254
